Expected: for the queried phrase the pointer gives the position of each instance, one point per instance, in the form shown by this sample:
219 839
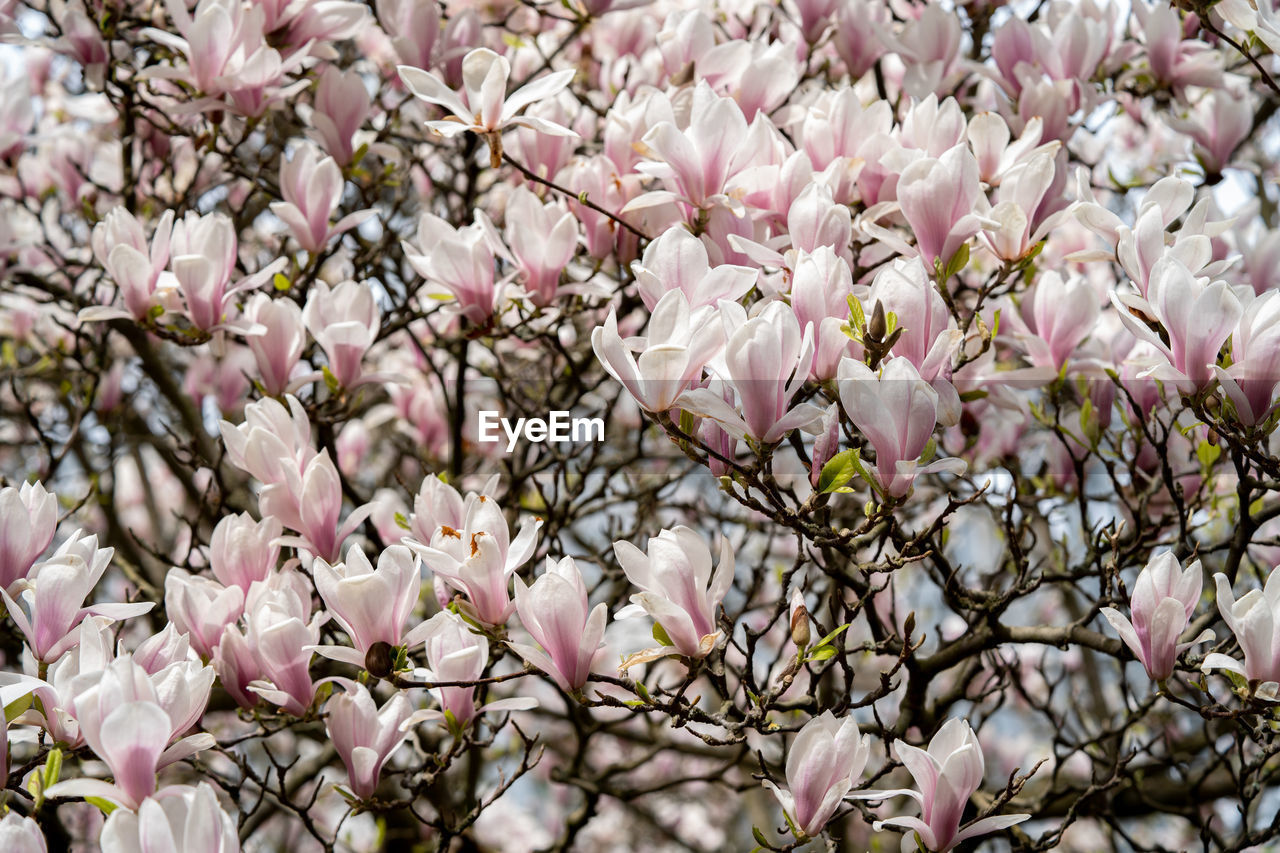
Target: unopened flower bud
378 659
800 634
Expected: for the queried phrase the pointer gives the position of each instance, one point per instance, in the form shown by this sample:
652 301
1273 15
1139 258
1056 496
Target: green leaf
52 768
837 632
281 281
686 422
402 521
660 634
825 653
857 319
759 837
18 706
330 381
838 471
958 261
1207 454
105 806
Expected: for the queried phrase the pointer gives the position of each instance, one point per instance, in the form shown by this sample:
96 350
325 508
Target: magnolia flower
312 188
766 361
278 349
824 762
821 285
365 735
1254 374
242 551
281 641
456 654
123 721
1197 317
20 834
201 607
177 819
49 605
480 558
677 589
121 246
554 612
679 343
203 262
677 260
947 775
341 106
1255 621
28 519
938 199
457 263
897 412
370 605
483 105
929 337
344 321
1161 605
1058 315
543 239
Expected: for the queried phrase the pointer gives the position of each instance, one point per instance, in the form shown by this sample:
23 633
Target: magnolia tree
589 425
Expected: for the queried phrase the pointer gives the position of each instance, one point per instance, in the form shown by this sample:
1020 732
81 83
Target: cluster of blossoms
934 350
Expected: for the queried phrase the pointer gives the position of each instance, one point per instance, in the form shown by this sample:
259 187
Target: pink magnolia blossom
897 412
20 834
1217 124
947 774
1163 600
457 654
766 360
1253 620
542 239
365 735
48 606
203 261
176 819
242 551
1058 315
344 320
938 199
371 605
679 343
820 288
483 106
677 260
201 607
457 263
414 29
28 520
1252 379
929 339
696 162
341 106
825 760
281 640
1197 316
554 612
480 558
312 189
136 266
124 722
678 589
